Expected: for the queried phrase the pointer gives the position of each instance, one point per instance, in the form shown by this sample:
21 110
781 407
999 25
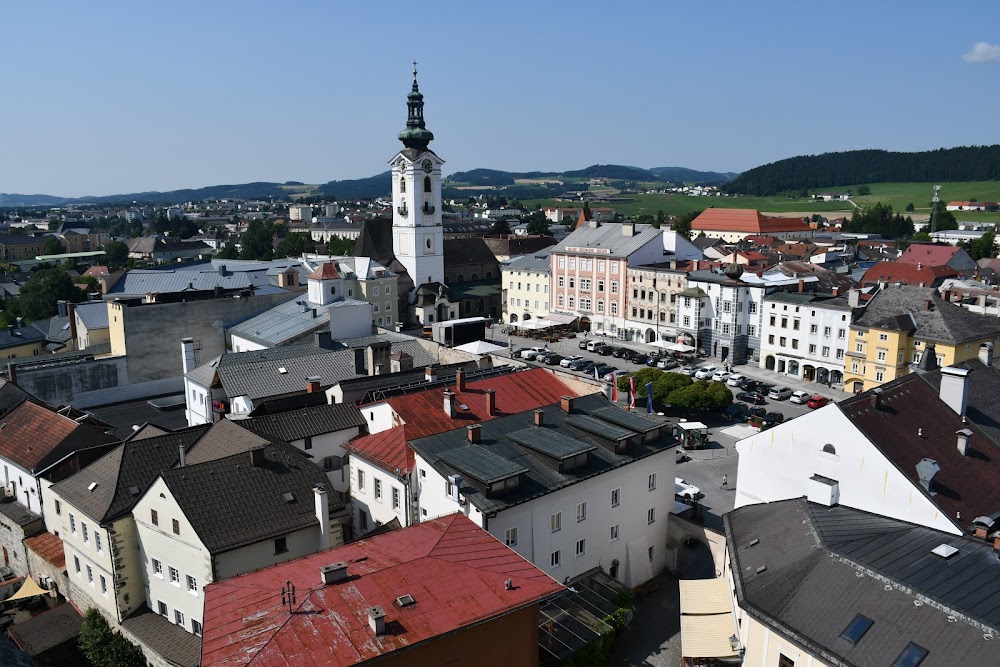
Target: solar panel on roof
551 443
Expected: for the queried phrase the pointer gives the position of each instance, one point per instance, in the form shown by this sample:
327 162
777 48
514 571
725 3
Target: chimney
926 469
963 441
187 355
257 456
430 374
539 418
331 574
986 354
802 285
449 404
628 229
854 298
927 302
222 269
954 388
20 323
472 433
312 385
491 402
323 515
376 620
835 291
567 404
920 265
460 380
324 340
62 307
181 458
876 398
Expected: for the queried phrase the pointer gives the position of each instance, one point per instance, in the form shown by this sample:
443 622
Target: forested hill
965 163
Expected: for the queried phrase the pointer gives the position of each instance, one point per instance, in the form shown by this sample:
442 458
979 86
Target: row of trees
258 243
679 390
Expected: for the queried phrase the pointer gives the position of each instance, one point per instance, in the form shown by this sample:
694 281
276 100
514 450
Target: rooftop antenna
934 207
288 595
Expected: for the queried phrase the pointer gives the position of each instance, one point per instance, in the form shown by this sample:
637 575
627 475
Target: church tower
417 234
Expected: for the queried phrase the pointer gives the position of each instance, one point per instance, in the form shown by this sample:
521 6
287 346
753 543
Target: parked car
652 361
817 401
570 359
684 490
687 370
705 372
595 345
533 352
774 418
622 374
584 343
755 413
620 352
602 369
779 393
577 364
720 376
636 357
606 375
588 368
517 351
751 398
553 359
605 350
666 363
734 380
735 411
800 397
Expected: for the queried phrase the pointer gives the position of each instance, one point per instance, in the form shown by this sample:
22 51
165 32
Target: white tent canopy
480 347
676 347
534 324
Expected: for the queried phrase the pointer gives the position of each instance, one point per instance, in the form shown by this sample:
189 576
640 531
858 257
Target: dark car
755 413
604 369
746 384
605 350
588 368
751 397
553 359
619 352
735 411
516 354
580 363
774 418
652 361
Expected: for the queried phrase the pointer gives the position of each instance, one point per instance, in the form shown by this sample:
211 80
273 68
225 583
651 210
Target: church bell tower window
427 184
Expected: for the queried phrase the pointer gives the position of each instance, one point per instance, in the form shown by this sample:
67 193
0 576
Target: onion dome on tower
734 271
416 135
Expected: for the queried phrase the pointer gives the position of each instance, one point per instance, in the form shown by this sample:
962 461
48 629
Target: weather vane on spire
414 69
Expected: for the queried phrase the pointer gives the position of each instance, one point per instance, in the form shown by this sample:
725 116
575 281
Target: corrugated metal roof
288 321
599 427
93 315
481 463
609 236
437 562
551 443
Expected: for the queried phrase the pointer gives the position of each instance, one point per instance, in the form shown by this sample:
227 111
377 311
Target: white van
593 345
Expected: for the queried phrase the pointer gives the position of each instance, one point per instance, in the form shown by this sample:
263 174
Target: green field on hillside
898 195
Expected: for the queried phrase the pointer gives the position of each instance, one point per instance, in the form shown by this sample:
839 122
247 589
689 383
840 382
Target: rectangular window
770 339
600 285
785 661
879 376
554 559
72 523
841 333
510 537
97 542
883 336
840 354
795 325
859 347
154 517
795 344
751 330
813 328
363 519
650 552
600 265
395 498
911 656
76 564
854 367
614 532
361 479
651 515
86 533
175 576
375 292
176 526
378 489
196 627
58 506
309 441
572 262
812 349
585 284
581 547
880 355
104 585
784 322
857 628
163 609
581 511
826 351
562 262
614 287
561 281
178 617
560 300
752 307
158 568
827 331
616 497
192 584
652 481
556 522
90 576
280 545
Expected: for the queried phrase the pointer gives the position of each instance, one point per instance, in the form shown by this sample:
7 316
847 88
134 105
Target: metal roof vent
754 542
761 569
405 600
376 620
333 573
92 486
134 490
926 470
944 550
282 370
288 496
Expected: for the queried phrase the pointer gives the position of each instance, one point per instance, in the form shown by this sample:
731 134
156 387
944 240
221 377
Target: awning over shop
560 318
704 596
534 324
707 636
29 589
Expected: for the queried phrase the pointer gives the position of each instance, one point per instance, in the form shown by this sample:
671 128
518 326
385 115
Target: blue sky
113 97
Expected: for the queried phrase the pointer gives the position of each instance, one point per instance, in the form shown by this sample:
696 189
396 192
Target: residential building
733 224
900 324
805 335
21 247
324 232
390 598
90 325
904 273
17 523
508 246
300 212
229 276
972 206
831 585
472 276
564 215
651 300
161 249
929 254
18 341
525 282
569 486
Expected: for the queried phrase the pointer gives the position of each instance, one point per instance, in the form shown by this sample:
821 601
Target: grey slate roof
161 281
536 263
609 236
167 639
55 329
93 315
903 308
824 301
308 422
11 396
289 321
231 503
467 251
22 336
824 565
446 452
983 403
224 438
48 630
18 513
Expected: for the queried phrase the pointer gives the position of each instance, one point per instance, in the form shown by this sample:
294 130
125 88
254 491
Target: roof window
288 496
857 628
282 370
944 550
911 656
92 486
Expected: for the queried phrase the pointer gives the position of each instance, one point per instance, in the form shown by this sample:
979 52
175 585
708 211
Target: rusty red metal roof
48 547
928 254
454 570
327 271
746 220
423 412
907 273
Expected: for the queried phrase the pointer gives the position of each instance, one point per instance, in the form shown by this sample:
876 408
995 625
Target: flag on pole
631 393
649 397
614 388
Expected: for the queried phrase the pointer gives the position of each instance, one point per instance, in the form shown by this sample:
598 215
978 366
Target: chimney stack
963 441
835 291
802 285
986 354
491 402
312 385
954 390
181 458
376 620
876 398
449 404
331 574
460 380
472 433
430 374
257 456
539 418
62 306
322 515
567 404
628 229
854 298
187 355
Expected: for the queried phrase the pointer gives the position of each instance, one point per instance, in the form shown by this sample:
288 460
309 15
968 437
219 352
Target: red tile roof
746 220
454 570
914 423
97 271
49 547
908 274
327 271
30 433
423 412
928 254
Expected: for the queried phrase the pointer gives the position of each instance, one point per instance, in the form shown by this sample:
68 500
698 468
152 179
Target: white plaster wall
241 344
81 591
380 417
379 511
331 444
261 554
350 321
52 520
198 400
777 464
24 485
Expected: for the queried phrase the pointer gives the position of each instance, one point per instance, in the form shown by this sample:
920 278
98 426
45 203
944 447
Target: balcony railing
428 209
403 211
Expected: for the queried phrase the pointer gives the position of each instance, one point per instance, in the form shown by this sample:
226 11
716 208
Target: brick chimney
460 380
802 285
835 291
876 398
539 418
472 433
312 385
567 404
491 402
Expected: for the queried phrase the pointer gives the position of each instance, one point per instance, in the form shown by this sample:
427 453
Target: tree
985 246
945 218
295 244
538 224
104 647
880 219
256 241
660 219
500 227
921 237
229 251
116 252
43 289
53 246
909 207
701 395
864 190
338 245
682 223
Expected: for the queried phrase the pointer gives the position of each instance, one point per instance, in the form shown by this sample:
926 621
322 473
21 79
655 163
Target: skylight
288 497
911 656
944 550
282 370
92 486
857 628
134 490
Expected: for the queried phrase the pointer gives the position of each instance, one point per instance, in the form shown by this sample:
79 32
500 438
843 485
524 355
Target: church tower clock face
428 166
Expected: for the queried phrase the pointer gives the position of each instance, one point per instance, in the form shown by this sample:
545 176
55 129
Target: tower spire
416 135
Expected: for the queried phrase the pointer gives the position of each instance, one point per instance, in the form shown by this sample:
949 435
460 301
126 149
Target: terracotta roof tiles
746 220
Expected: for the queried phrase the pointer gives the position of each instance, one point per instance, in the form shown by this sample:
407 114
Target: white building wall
351 320
418 238
84 592
536 540
262 554
330 445
23 483
378 511
380 416
241 344
777 464
836 319
198 399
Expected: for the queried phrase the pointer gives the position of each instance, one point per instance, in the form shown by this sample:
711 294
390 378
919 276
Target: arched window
475 276
489 274
830 449
461 277
402 184
482 305
427 184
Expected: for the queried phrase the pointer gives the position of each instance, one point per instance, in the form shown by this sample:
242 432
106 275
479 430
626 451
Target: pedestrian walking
725 481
